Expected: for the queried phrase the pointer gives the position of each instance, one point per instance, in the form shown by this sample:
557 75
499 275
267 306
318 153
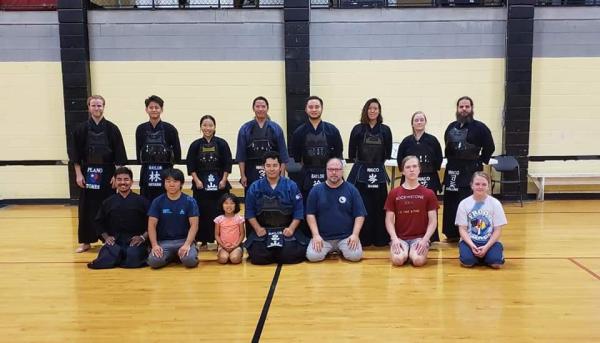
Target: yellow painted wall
406 86
33 128
190 90
32 115
34 182
565 117
565 106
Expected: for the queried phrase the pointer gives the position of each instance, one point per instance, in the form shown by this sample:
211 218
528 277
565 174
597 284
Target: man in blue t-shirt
335 214
172 224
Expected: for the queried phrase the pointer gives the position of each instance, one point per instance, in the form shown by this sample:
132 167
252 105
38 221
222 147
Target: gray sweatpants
340 245
170 249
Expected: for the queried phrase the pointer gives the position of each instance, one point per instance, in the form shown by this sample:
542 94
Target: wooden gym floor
549 290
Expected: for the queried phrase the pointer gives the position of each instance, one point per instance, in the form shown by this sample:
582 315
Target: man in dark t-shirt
335 214
410 217
172 224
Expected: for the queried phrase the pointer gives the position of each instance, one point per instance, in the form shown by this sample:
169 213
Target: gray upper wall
246 35
29 36
175 35
408 33
567 32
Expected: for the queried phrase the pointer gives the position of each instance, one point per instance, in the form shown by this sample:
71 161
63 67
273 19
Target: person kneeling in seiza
335 214
173 224
122 223
274 210
411 216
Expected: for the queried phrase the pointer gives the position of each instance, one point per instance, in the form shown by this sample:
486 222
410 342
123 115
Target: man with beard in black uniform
96 148
157 148
469 144
122 222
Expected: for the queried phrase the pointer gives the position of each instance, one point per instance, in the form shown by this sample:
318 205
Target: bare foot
82 248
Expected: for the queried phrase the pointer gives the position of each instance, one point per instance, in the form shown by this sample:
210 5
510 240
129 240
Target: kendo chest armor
261 141
316 150
459 147
273 214
98 147
425 155
371 150
208 157
155 149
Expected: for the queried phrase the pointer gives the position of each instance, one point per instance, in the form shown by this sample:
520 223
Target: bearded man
469 145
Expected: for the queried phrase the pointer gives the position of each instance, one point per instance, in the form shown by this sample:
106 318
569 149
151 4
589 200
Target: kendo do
157 148
469 145
274 210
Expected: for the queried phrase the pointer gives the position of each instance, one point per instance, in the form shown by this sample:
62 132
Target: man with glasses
335 214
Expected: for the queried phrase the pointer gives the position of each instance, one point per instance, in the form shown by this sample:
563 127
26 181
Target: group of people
286 221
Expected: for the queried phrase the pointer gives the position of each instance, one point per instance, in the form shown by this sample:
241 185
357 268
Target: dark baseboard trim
547 196
57 201
35 163
571 196
564 158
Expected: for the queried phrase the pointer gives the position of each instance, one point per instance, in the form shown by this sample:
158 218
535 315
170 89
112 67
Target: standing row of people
98 147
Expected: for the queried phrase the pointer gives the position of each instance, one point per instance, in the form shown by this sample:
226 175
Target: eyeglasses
334 169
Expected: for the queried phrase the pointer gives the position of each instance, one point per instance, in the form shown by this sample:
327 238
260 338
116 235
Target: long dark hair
364 115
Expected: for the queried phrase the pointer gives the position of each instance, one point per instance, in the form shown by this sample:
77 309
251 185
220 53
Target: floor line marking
572 259
329 259
265 311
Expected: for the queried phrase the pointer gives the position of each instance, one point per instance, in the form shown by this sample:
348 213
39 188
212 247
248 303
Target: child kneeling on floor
229 230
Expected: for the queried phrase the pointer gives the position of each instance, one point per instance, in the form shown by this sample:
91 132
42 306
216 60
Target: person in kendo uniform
469 145
274 210
313 144
369 146
157 148
96 148
122 223
209 163
429 152
255 138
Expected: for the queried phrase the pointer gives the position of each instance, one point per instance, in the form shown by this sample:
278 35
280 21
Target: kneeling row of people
274 208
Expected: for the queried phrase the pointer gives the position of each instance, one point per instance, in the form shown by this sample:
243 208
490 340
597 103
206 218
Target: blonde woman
480 219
